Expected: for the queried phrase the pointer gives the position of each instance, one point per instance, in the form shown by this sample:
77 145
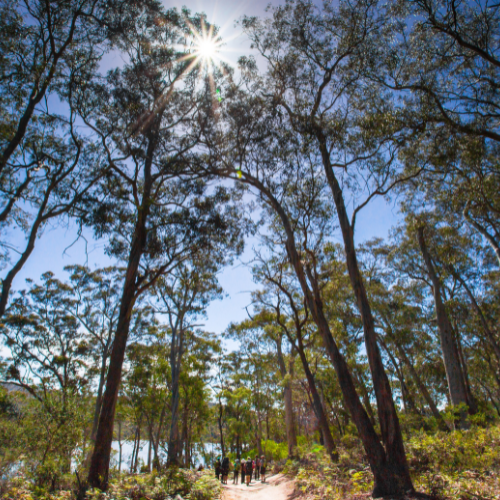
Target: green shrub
189 484
206 488
274 451
460 465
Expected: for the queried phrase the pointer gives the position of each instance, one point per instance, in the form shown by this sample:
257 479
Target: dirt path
277 487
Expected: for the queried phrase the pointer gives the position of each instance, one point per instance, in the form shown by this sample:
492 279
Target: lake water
211 449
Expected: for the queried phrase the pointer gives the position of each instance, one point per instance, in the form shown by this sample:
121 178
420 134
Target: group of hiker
247 468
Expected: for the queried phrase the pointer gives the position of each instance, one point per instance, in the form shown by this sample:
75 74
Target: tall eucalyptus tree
182 297
314 84
147 119
256 148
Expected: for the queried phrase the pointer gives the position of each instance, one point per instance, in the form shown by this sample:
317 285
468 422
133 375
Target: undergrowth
461 465
174 484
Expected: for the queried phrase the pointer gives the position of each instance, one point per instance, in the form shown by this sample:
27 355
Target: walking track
277 487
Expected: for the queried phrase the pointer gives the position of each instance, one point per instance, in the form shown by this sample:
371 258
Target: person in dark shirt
217 468
248 471
225 469
263 467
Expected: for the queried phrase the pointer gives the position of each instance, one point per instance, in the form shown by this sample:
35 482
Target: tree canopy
354 347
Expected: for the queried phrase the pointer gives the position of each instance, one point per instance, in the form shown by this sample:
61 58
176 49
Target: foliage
274 451
457 465
206 488
374 342
188 484
46 439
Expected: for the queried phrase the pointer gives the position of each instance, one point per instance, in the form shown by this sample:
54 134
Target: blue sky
52 252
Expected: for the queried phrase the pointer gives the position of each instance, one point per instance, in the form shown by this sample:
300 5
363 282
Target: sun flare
205 45
207 48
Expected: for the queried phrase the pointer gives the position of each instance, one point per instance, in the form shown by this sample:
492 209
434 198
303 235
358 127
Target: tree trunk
259 437
9 277
337 420
268 432
221 413
136 461
185 437
390 470
318 407
258 427
132 458
176 353
174 438
389 475
463 363
358 378
422 388
99 465
395 456
408 401
454 372
120 446
150 448
291 435
97 409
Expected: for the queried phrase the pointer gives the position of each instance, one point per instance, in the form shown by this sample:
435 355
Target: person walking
217 468
263 467
248 471
224 469
236 471
242 471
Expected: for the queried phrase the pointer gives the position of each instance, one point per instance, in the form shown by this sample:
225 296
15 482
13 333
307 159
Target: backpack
225 463
249 467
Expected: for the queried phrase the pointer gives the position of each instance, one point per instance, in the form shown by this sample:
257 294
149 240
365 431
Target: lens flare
207 49
201 49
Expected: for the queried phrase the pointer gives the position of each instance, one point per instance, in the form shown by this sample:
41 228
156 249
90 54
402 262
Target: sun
207 49
206 45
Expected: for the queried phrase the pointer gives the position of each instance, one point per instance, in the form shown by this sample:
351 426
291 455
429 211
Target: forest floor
276 487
